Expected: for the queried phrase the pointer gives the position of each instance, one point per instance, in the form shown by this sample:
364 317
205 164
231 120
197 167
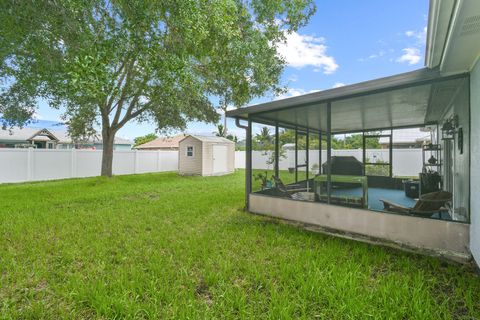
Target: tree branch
120 75
123 96
130 114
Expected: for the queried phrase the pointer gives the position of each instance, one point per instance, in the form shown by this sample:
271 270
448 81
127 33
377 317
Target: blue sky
346 41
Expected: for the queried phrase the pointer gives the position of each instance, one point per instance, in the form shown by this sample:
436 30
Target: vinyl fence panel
20 165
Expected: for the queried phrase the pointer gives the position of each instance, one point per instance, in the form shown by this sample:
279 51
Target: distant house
289 146
407 138
52 139
162 143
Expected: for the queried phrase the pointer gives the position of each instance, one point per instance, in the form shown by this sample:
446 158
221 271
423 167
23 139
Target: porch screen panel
263 157
301 156
377 153
286 155
313 154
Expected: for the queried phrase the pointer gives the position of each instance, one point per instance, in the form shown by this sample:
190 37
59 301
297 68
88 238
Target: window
189 151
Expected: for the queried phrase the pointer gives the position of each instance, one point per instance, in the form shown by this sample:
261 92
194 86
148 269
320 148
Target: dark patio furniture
427 205
287 191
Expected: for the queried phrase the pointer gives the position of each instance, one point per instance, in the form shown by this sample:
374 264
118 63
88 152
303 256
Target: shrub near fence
19 165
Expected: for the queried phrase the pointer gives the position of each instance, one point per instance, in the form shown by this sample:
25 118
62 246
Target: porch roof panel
414 98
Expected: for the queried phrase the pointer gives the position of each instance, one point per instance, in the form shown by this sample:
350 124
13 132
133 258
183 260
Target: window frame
192 151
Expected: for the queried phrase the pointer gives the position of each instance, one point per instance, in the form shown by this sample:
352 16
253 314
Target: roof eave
440 15
417 77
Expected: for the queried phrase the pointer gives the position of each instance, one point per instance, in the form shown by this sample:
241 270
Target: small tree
108 62
266 144
232 137
144 139
220 131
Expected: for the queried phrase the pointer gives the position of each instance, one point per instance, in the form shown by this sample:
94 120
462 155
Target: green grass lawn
164 246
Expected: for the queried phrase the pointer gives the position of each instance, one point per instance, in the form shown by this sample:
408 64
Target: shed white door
220 159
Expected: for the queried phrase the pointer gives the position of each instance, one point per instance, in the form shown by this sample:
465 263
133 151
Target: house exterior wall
460 107
190 165
11 143
446 238
208 157
475 162
97 146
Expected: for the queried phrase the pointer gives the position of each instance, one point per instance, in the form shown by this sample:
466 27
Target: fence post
30 164
73 163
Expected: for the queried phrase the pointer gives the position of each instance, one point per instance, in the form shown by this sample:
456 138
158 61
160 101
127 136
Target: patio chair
428 204
286 191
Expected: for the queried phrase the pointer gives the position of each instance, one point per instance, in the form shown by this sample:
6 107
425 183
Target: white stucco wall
446 238
475 162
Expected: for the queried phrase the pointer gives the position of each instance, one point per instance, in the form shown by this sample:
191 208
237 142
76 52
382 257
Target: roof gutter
238 124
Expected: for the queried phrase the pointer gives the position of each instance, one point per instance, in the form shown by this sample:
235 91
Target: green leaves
144 139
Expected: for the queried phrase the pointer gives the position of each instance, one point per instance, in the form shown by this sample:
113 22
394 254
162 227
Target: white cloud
293 78
338 85
293 92
304 50
379 54
409 33
420 36
37 116
410 55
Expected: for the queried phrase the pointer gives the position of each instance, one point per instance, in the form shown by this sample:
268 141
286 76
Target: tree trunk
107 152
225 122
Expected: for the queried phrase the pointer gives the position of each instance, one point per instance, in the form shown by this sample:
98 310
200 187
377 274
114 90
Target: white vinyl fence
406 162
19 165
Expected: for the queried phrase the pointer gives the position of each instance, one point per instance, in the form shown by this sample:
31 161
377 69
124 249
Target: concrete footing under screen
428 236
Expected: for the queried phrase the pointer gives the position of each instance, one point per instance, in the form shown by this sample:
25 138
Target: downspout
248 159
238 124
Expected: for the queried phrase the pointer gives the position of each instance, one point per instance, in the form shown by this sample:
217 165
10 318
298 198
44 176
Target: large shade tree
105 63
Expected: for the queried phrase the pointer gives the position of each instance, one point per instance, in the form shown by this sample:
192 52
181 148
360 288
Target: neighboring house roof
17 134
407 136
26 134
289 146
162 143
209 139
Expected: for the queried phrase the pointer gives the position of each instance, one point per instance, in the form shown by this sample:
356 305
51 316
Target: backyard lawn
164 246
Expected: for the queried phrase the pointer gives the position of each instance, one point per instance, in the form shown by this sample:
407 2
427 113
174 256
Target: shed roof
213 139
162 142
408 99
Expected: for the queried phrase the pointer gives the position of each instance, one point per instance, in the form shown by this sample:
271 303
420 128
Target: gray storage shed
205 156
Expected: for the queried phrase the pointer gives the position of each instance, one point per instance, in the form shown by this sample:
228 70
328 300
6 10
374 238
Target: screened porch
344 148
